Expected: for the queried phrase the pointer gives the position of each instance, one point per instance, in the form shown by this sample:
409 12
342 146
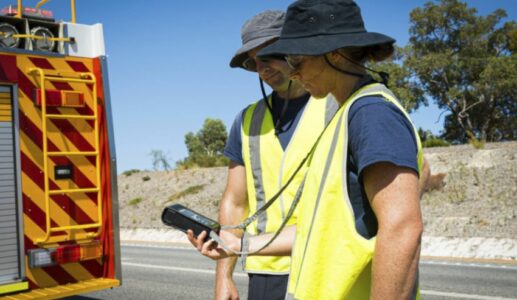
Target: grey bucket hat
257 31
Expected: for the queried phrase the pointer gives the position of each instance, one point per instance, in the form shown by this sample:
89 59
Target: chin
280 86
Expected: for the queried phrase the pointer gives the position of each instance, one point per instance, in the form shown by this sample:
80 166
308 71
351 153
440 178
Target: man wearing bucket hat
267 141
359 223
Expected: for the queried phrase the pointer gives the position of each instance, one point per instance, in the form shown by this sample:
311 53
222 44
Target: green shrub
135 201
475 142
435 142
430 140
146 178
202 161
191 190
130 172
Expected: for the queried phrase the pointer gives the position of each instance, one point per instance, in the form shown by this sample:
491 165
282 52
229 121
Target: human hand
210 248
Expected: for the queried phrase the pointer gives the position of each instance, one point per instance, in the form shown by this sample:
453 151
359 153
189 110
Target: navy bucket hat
257 31
316 27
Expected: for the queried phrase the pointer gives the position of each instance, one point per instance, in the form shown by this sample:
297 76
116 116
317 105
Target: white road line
468 264
176 247
124 263
423 292
462 296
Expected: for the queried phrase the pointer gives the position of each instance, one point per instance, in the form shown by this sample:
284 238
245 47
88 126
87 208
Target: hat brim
242 54
321 44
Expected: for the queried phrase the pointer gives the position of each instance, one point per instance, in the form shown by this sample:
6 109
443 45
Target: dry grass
472 192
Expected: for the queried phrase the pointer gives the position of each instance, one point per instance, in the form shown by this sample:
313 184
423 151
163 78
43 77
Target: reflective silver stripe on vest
331 108
378 88
320 191
289 297
256 168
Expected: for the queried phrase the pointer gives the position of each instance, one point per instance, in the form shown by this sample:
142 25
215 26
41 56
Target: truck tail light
91 250
61 98
67 254
64 254
40 258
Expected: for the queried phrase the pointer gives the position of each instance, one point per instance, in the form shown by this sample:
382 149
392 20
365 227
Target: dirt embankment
474 192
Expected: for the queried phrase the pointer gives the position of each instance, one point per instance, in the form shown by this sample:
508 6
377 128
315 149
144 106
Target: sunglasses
250 63
294 61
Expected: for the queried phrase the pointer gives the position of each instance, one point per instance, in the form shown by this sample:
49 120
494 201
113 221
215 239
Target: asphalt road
181 273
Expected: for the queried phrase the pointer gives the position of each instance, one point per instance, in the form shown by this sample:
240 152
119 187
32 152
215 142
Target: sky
168 64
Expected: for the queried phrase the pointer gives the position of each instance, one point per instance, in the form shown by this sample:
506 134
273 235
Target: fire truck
59 232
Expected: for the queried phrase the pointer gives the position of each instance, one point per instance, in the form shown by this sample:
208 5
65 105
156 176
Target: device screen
196 217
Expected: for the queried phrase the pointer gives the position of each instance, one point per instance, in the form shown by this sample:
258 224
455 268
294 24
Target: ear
334 57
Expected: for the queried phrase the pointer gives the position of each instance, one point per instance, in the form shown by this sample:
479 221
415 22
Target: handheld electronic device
182 218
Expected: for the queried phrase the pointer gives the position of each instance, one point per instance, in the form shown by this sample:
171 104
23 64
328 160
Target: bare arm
424 177
232 210
394 196
281 246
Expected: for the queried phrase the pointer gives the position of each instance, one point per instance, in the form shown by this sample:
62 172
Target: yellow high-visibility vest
330 259
269 167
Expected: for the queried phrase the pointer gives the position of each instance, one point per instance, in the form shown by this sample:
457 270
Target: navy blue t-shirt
288 122
378 132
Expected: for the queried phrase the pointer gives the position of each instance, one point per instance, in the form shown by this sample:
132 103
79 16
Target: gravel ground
472 204
478 196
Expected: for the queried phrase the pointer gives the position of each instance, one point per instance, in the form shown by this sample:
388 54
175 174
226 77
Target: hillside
474 192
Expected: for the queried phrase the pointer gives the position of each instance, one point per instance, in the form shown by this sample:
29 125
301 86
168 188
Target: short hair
373 53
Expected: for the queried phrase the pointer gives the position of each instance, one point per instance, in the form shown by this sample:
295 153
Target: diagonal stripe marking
34 169
34 134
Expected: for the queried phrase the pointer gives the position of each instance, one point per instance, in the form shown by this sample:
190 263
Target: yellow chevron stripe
80 125
34 153
58 215
5 107
32 230
62 143
77 271
40 277
59 64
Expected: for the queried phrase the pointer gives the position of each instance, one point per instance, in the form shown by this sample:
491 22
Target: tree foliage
402 79
205 148
467 63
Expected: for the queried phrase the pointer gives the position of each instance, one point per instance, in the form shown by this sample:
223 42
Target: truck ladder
86 78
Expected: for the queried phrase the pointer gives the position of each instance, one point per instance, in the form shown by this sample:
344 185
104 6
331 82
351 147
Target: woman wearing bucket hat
370 148
286 121
359 222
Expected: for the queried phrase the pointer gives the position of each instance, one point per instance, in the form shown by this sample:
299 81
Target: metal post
20 8
72 5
